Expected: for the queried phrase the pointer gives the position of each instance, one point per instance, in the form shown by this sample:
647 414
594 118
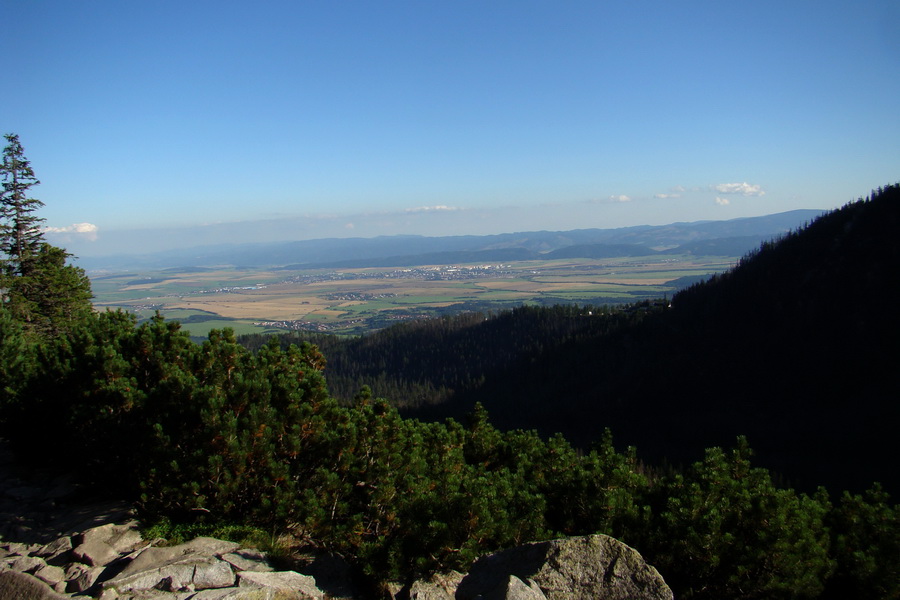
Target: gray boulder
56 552
595 567
80 578
156 558
441 586
26 564
249 594
516 589
282 581
248 559
21 586
50 574
213 574
101 545
186 567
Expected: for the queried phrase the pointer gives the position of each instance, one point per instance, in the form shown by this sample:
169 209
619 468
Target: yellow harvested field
522 285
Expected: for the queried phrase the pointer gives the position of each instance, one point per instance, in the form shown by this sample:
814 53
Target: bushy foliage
725 531
865 543
51 296
16 361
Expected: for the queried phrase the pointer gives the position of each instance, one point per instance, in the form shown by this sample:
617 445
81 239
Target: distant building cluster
440 272
294 325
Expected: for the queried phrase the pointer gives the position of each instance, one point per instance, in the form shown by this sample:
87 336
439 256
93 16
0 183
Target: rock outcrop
113 562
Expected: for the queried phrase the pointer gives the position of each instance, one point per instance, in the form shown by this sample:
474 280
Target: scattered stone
215 574
21 586
441 586
84 581
153 559
516 589
27 564
595 567
50 574
57 551
210 546
94 553
214 594
18 549
74 571
289 581
248 559
101 545
249 594
173 571
221 594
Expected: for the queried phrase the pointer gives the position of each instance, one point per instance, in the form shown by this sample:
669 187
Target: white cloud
439 207
665 196
744 189
620 198
722 201
87 230
349 226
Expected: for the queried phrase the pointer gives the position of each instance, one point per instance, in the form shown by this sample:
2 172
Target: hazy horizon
156 240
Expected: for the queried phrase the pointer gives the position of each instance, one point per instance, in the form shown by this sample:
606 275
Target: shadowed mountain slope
796 348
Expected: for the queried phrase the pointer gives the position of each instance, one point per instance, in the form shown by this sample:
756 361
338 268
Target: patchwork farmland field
354 301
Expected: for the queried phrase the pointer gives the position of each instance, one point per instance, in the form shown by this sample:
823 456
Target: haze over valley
360 285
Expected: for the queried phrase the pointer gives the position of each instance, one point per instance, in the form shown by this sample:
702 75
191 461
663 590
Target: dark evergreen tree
52 296
724 530
20 233
16 360
866 543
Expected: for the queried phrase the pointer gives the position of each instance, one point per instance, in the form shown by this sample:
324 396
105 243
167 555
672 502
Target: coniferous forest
697 429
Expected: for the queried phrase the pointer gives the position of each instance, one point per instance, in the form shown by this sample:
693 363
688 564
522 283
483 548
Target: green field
360 300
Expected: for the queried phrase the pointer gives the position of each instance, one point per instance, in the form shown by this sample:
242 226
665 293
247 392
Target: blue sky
159 124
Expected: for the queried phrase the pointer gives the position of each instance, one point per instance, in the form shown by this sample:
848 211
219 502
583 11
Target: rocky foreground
56 543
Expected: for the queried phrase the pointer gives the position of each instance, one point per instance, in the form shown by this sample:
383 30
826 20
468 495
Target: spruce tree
20 233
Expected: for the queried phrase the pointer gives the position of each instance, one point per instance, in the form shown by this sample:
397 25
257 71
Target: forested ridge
214 437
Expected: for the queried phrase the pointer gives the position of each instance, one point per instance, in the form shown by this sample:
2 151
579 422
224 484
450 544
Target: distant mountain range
728 238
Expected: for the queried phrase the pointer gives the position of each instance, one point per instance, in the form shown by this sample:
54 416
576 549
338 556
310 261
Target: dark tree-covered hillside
425 363
796 348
